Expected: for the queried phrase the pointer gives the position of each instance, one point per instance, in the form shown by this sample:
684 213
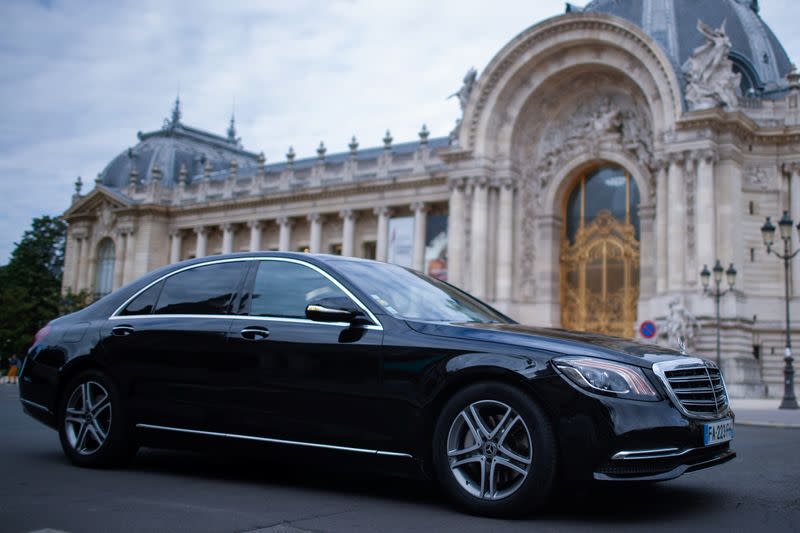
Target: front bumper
603 437
661 465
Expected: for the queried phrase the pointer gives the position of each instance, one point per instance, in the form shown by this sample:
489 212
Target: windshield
410 295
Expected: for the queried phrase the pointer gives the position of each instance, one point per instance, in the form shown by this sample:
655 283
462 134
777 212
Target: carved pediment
98 204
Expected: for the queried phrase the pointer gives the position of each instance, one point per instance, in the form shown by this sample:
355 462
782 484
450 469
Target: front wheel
494 451
91 423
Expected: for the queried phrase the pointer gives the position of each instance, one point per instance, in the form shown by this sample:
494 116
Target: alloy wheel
87 420
489 450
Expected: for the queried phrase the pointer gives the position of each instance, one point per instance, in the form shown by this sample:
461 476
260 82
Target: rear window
205 290
144 303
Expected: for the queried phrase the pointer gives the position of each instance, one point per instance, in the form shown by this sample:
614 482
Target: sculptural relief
711 81
610 119
681 327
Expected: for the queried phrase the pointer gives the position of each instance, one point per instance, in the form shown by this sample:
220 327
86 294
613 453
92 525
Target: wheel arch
463 379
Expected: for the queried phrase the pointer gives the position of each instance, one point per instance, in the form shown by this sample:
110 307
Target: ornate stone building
602 158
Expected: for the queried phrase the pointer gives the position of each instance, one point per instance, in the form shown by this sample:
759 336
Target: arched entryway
600 253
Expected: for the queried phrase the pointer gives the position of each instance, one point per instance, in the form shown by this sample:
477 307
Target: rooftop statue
711 81
466 88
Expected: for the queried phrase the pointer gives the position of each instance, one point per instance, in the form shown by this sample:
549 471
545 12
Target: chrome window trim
375 326
276 441
36 405
689 363
248 317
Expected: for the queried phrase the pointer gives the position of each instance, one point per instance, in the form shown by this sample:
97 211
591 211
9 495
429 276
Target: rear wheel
494 451
91 422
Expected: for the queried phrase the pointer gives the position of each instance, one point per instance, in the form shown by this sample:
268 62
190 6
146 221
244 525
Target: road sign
648 329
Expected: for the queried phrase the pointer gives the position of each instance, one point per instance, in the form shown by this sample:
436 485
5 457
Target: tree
30 284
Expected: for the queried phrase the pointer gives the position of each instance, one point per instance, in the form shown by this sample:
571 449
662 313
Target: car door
295 379
168 345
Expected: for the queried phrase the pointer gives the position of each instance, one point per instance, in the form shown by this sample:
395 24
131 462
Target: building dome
174 147
756 52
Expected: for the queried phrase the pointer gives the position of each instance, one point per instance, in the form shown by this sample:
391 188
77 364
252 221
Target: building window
104 277
304 249
369 248
336 249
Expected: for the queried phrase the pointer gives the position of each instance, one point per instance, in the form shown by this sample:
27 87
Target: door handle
255 333
122 331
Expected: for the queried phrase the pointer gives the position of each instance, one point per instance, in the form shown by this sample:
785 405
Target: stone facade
568 95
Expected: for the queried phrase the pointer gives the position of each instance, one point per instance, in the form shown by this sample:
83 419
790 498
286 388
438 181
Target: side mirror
338 309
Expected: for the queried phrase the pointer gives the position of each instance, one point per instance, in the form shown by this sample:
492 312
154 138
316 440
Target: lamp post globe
768 233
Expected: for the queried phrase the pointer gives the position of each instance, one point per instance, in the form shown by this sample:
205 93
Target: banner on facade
401 241
436 247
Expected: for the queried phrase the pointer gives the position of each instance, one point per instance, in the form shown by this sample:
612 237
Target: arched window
104 271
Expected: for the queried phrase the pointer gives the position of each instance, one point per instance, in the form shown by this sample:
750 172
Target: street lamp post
717 293
768 234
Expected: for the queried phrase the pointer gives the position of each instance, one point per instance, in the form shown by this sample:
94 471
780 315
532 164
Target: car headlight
607 377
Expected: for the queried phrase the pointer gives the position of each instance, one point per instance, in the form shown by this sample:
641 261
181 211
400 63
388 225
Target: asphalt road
178 491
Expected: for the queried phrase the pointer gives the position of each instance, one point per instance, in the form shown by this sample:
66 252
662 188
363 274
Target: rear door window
204 290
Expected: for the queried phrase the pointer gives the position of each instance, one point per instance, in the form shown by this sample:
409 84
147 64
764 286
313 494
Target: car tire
94 434
482 429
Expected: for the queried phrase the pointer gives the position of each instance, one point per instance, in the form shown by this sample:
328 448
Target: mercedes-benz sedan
324 354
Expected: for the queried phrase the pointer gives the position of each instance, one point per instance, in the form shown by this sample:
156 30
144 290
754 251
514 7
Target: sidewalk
764 413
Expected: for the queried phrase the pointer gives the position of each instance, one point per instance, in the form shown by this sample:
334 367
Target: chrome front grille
695 385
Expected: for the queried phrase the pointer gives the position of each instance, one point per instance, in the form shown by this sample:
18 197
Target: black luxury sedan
331 355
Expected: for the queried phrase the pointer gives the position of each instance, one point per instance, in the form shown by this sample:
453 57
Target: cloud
80 78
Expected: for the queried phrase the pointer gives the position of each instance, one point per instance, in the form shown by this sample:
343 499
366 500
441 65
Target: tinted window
206 290
410 295
284 289
144 303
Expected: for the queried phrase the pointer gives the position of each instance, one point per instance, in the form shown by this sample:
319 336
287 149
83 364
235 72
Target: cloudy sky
80 78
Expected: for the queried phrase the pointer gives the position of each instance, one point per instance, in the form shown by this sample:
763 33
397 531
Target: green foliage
30 285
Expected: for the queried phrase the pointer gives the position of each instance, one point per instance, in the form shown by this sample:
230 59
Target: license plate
717 432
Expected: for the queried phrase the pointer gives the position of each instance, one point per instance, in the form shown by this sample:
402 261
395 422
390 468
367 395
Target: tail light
41 334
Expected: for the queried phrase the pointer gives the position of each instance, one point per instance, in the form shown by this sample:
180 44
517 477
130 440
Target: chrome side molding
276 441
36 405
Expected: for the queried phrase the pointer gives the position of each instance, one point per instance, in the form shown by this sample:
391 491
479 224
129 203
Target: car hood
555 341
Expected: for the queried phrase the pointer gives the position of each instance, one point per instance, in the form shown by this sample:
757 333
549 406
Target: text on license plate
716 432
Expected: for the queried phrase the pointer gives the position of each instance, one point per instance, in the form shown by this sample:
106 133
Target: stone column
480 233
255 235
285 234
662 223
420 210
130 257
794 211
227 238
455 233
705 212
382 244
202 241
505 242
676 232
83 282
175 246
315 233
73 255
348 232
119 258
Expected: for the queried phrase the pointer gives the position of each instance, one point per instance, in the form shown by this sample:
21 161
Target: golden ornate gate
600 271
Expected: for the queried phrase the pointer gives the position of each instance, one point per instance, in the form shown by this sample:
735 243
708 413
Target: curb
750 423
